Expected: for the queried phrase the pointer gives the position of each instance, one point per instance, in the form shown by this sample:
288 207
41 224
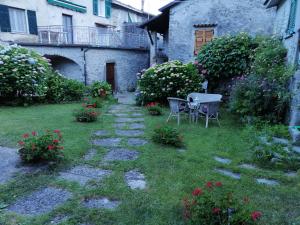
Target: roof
129 7
170 5
272 3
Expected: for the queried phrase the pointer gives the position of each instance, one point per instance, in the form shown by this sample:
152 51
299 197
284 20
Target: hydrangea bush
171 79
22 72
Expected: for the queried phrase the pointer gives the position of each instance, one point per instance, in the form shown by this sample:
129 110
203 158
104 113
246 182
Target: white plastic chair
177 106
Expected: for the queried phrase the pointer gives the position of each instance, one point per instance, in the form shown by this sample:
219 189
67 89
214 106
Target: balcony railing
100 37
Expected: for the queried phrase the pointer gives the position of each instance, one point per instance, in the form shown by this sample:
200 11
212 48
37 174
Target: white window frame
26 25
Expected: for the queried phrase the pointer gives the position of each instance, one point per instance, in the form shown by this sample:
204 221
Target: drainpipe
84 68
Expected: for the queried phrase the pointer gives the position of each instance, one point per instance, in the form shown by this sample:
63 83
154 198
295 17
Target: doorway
68 28
110 75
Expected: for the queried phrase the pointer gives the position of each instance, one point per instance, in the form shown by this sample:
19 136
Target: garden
79 157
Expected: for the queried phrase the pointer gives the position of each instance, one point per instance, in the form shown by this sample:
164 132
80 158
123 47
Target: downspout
84 68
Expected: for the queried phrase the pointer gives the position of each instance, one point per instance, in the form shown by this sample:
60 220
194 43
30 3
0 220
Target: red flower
216 210
219 184
56 131
209 184
55 141
25 135
21 143
50 147
197 192
256 215
33 133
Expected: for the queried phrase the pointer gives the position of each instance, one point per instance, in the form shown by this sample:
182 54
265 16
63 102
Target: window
202 36
292 19
101 8
18 20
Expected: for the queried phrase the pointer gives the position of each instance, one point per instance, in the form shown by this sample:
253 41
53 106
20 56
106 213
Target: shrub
171 79
94 102
154 109
86 115
213 205
167 136
100 89
225 57
45 147
22 73
73 90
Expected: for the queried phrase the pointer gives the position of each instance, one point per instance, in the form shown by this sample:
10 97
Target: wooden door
110 75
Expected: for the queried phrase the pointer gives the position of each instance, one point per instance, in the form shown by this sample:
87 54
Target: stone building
187 25
85 40
287 26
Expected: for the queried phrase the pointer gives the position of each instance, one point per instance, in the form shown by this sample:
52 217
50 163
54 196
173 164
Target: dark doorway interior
110 75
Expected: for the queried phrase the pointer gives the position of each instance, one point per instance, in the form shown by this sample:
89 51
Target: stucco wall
231 17
127 63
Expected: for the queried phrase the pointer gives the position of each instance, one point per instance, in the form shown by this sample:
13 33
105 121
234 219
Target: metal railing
102 37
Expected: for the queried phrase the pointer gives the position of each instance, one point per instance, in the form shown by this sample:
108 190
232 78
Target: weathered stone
121 115
136 114
181 150
296 149
222 160
291 174
102 133
91 154
267 181
101 203
264 140
281 141
135 180
130 133
129 120
229 173
9 161
121 154
247 166
136 142
108 142
84 174
40 202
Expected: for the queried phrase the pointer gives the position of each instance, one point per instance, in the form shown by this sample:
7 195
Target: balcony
92 36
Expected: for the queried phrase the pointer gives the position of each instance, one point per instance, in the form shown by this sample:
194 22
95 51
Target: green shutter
32 22
108 8
4 21
292 18
129 18
95 7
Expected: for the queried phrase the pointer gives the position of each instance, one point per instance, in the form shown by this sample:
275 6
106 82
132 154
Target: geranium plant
100 89
92 102
37 147
214 205
154 109
86 114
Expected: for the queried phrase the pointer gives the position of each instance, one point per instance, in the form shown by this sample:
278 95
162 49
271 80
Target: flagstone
101 203
108 142
135 180
130 133
136 142
121 154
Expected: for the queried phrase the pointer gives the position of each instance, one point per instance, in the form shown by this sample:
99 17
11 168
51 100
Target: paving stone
59 219
130 126
229 173
121 115
248 166
222 160
102 133
267 181
291 174
90 155
296 149
137 114
84 174
9 161
181 150
42 201
129 120
101 203
108 142
121 154
280 141
136 142
130 133
135 180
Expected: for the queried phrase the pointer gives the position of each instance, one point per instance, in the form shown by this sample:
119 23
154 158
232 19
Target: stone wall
128 63
231 17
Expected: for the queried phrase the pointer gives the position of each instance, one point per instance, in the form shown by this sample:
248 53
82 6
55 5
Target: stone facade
230 17
92 63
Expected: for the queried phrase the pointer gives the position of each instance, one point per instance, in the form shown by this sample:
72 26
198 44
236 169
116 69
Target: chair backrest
175 104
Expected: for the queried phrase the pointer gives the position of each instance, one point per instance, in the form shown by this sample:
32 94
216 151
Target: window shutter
95 7
4 21
292 18
32 22
201 38
108 8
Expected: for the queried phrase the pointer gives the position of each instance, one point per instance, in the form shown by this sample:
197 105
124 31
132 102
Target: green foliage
22 73
100 89
214 205
154 110
225 57
264 93
167 136
94 102
45 147
171 79
86 115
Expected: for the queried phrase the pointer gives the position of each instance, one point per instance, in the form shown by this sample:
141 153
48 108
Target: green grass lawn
170 175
